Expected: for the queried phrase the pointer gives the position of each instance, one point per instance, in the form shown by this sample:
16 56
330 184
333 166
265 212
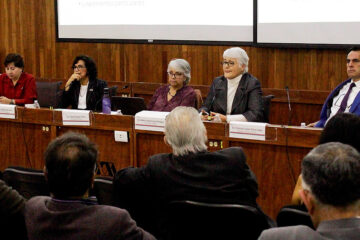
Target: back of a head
70 164
332 172
184 131
344 128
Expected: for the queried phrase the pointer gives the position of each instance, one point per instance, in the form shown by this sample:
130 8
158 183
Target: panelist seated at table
237 95
345 97
190 172
83 90
177 92
16 86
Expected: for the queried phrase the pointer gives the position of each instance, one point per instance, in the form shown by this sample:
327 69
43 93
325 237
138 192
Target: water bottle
36 104
106 104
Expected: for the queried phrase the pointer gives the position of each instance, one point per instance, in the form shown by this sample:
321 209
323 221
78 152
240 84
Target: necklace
171 94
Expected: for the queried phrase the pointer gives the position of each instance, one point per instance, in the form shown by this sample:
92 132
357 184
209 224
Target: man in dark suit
237 95
331 193
69 213
189 173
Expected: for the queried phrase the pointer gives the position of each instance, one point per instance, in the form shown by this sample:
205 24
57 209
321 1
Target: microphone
288 97
291 170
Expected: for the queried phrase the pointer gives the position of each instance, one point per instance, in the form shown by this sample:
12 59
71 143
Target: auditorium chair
103 190
293 215
199 220
28 182
267 103
49 93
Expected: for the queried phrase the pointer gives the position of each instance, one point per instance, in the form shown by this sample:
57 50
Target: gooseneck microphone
291 170
289 104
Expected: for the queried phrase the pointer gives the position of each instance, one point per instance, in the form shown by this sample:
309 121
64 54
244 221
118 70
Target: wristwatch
12 101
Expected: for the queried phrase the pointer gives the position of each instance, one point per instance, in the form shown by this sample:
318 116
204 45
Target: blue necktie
346 98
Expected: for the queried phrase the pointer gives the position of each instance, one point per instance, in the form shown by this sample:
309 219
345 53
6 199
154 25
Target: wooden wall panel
28 27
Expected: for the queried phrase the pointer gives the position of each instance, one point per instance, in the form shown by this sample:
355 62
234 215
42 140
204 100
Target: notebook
128 105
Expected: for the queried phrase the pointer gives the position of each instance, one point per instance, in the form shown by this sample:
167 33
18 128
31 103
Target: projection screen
308 21
193 20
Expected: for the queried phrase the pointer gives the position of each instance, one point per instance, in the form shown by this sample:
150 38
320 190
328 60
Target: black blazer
215 177
247 101
94 95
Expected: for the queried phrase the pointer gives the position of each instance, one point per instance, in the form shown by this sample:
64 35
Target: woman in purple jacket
177 92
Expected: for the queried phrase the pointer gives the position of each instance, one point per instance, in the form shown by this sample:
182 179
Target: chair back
198 220
103 190
28 182
49 93
199 99
267 103
292 216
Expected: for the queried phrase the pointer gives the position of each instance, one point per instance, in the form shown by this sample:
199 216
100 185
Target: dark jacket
247 99
94 95
216 177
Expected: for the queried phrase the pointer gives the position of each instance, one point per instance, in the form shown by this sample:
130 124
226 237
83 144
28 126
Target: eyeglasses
228 63
175 75
78 67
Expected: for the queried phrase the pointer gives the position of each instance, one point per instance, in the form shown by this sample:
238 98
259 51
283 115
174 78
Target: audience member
237 94
16 86
177 92
70 162
190 172
331 193
83 90
344 128
345 97
11 212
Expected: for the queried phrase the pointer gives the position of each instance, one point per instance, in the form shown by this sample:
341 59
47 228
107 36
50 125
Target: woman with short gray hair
177 92
237 95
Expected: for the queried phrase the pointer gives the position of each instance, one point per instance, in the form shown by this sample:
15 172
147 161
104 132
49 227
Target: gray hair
183 66
184 131
240 55
331 172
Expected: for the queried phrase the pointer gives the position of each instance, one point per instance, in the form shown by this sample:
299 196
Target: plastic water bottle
36 104
106 104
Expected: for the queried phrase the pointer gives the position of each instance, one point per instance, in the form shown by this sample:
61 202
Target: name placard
150 120
7 111
247 130
76 117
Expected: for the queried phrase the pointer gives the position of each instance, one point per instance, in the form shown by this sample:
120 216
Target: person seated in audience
83 90
12 205
344 128
345 97
190 172
177 92
16 86
69 213
331 193
237 95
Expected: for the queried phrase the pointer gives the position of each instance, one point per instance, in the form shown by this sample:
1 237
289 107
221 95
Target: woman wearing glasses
177 92
237 95
83 90
16 86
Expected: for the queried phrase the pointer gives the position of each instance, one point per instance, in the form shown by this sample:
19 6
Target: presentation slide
194 20
308 21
